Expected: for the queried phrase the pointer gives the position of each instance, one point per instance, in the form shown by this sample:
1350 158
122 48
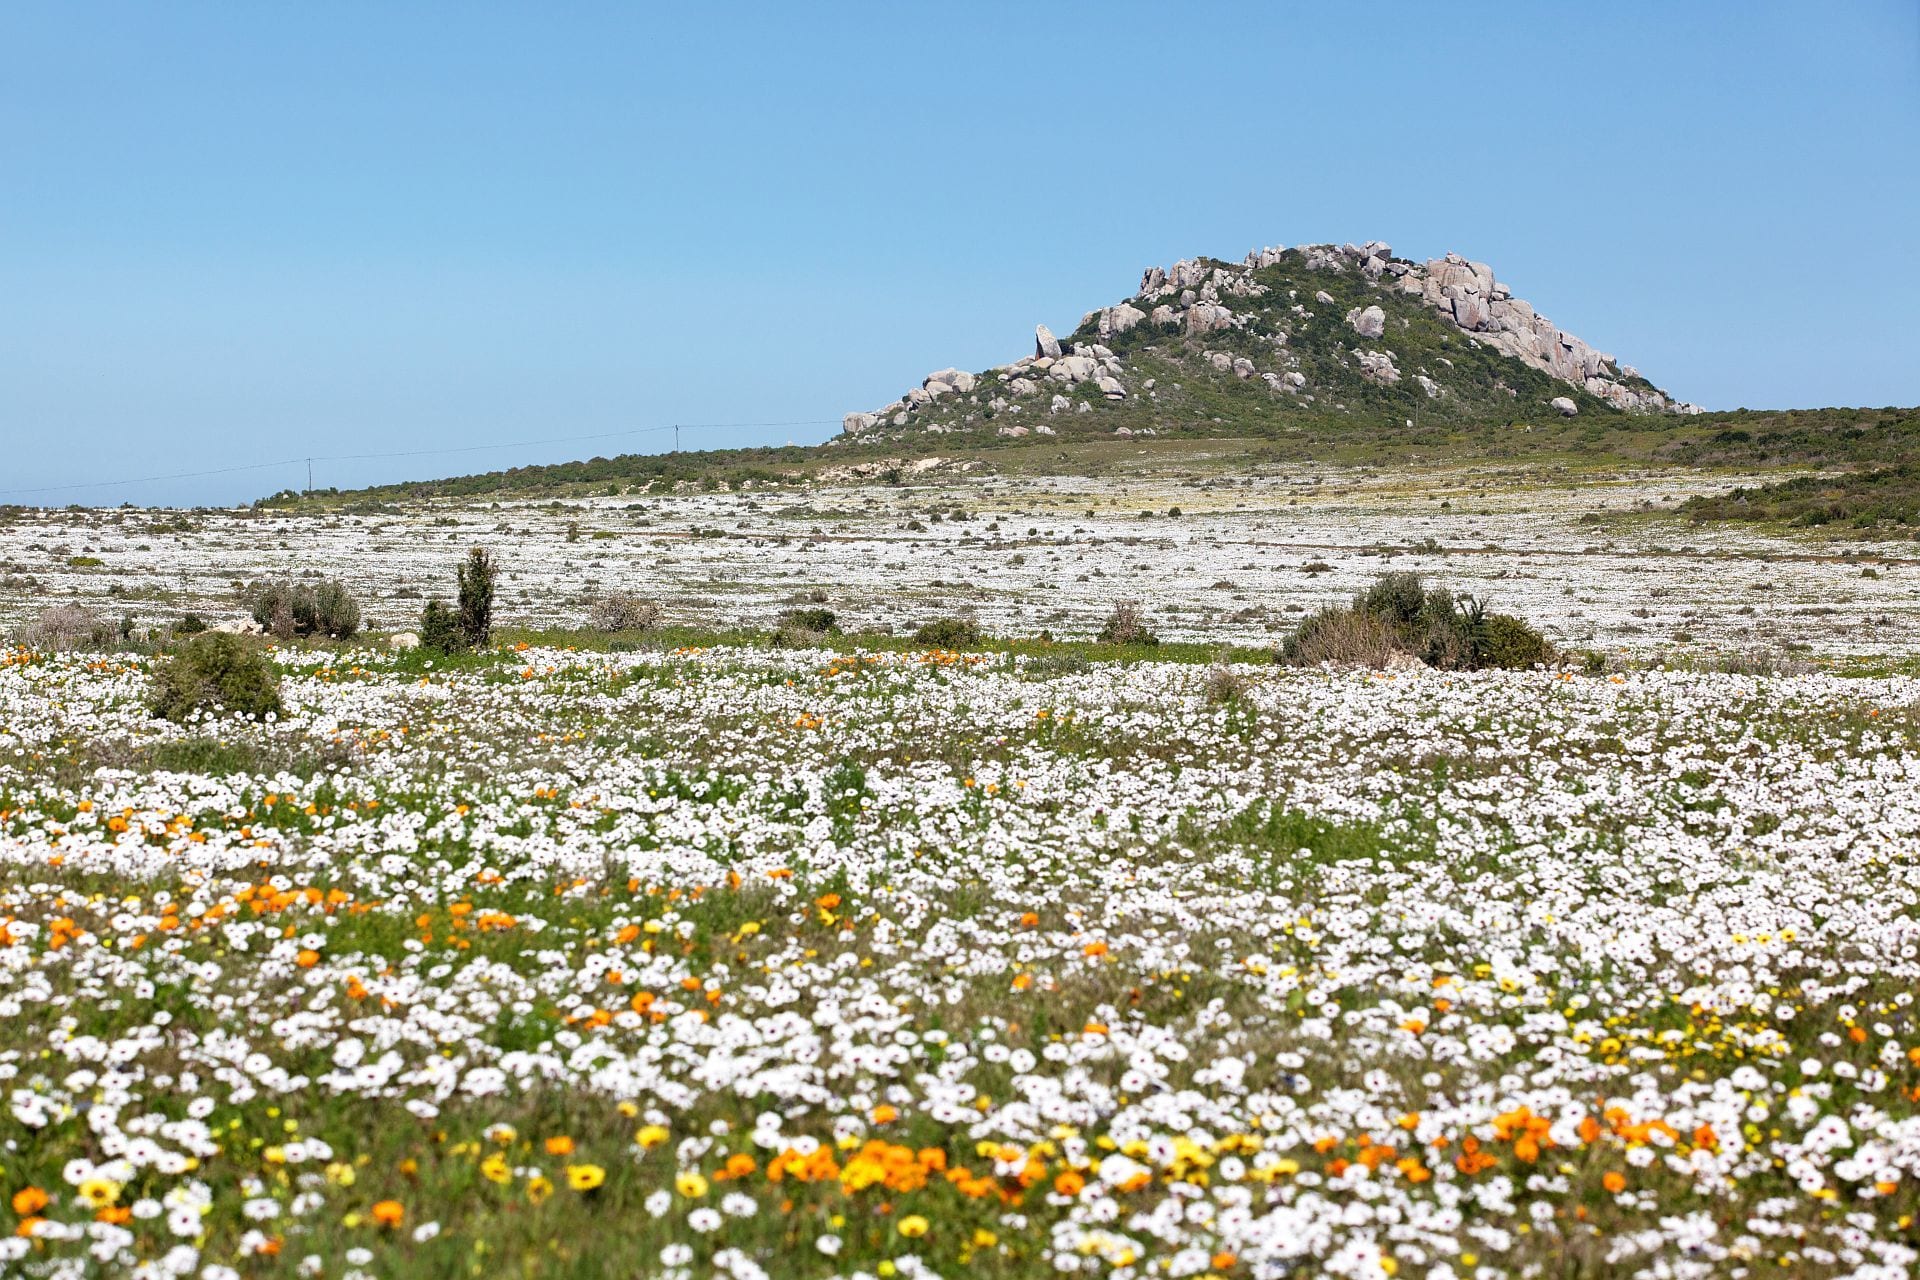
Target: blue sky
232 234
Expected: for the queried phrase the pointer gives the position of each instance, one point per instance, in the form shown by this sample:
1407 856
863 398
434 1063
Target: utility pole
676 437
309 492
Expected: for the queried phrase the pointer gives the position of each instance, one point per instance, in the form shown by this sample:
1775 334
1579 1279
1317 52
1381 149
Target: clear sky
237 233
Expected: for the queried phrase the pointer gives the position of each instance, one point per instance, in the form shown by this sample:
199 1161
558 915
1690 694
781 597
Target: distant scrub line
1397 622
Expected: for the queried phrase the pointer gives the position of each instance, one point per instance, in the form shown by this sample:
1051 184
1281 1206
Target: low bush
1343 635
440 630
1398 619
1224 686
65 627
215 671
619 611
1510 642
948 633
823 621
1127 625
287 608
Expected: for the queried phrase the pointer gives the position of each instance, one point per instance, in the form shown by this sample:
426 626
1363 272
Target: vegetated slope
1286 335
1884 501
1733 440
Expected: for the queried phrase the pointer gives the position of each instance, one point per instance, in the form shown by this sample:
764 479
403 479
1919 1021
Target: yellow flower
585 1177
495 1169
912 1225
340 1175
539 1189
690 1184
650 1136
99 1192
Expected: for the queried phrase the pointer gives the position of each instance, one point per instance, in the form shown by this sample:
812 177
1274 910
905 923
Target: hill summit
1298 333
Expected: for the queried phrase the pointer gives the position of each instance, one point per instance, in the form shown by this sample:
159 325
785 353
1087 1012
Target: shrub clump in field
467 626
621 611
440 629
1127 625
1225 687
948 633
215 671
476 579
69 626
1399 620
287 608
804 628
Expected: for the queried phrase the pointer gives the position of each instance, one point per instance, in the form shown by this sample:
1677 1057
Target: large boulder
1368 323
951 379
855 423
1470 311
1119 319
1074 368
1564 406
1208 317
1044 343
1377 367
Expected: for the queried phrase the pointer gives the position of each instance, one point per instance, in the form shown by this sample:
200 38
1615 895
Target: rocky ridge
1255 322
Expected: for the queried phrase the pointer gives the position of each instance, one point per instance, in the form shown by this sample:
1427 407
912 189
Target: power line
676 428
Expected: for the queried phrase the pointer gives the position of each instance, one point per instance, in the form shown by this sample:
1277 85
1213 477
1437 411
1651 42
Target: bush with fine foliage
948 633
287 608
69 626
619 611
1127 625
215 671
1398 619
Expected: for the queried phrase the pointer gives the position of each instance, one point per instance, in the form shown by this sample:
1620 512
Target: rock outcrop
1262 308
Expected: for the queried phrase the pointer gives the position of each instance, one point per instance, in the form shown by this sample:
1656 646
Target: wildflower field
748 962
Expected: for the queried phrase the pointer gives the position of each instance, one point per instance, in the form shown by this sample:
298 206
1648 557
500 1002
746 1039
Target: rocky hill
1285 333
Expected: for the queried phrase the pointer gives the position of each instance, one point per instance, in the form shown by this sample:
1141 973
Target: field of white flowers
750 963
1590 561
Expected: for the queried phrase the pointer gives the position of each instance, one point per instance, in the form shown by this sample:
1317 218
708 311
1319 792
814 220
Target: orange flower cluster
897 1168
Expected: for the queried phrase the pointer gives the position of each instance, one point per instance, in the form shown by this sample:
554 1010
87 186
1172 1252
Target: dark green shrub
1127 625
1509 642
1397 598
948 633
190 625
215 671
440 630
476 598
822 621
